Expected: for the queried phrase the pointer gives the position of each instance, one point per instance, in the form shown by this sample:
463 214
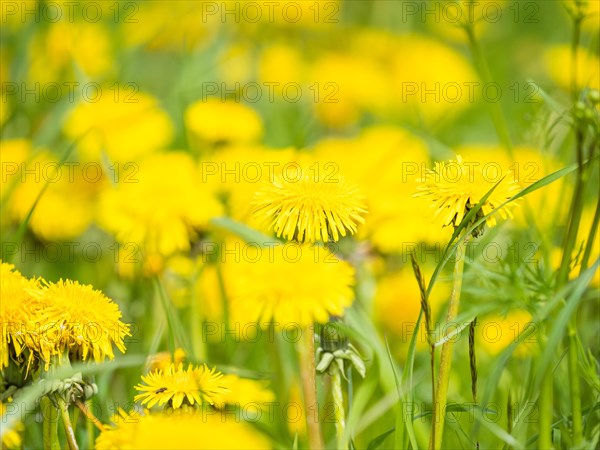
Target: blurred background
130 129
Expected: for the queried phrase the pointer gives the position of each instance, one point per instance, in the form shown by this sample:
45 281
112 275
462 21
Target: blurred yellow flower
79 321
123 123
432 82
397 303
168 25
181 430
65 208
455 187
280 63
162 360
175 385
495 333
244 392
11 437
309 207
290 284
83 44
223 122
557 60
161 208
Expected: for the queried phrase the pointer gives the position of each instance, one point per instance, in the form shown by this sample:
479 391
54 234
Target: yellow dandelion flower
217 122
290 284
11 437
80 320
243 391
181 430
196 385
308 208
455 187
126 127
496 332
162 208
17 308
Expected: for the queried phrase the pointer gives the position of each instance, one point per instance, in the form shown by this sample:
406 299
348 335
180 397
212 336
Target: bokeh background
135 133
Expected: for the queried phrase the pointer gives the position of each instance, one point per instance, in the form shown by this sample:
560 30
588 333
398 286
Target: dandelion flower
244 392
455 187
308 208
17 309
196 385
218 122
162 208
181 430
290 284
80 320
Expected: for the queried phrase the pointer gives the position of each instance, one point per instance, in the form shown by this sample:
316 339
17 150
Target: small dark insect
163 389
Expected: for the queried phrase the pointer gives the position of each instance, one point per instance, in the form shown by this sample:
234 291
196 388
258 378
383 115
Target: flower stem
69 432
441 394
338 405
575 389
309 387
50 424
546 411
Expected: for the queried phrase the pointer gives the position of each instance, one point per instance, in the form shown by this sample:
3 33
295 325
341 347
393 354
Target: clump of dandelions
309 208
455 187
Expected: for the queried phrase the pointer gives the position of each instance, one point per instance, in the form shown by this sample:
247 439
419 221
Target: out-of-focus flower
558 57
63 195
498 332
160 210
124 123
85 44
347 85
79 321
397 303
168 25
429 80
309 207
455 187
244 392
290 284
176 385
11 438
162 360
218 122
234 172
181 430
280 64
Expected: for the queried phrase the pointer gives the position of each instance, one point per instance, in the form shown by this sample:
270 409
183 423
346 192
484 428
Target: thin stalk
546 411
590 242
93 420
69 431
309 387
50 424
441 394
577 206
338 405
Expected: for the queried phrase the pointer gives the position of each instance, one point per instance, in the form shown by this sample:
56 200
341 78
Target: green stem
69 431
590 242
50 424
495 110
546 411
575 388
309 387
441 395
338 405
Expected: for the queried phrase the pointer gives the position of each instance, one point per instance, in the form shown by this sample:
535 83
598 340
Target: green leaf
248 234
376 443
